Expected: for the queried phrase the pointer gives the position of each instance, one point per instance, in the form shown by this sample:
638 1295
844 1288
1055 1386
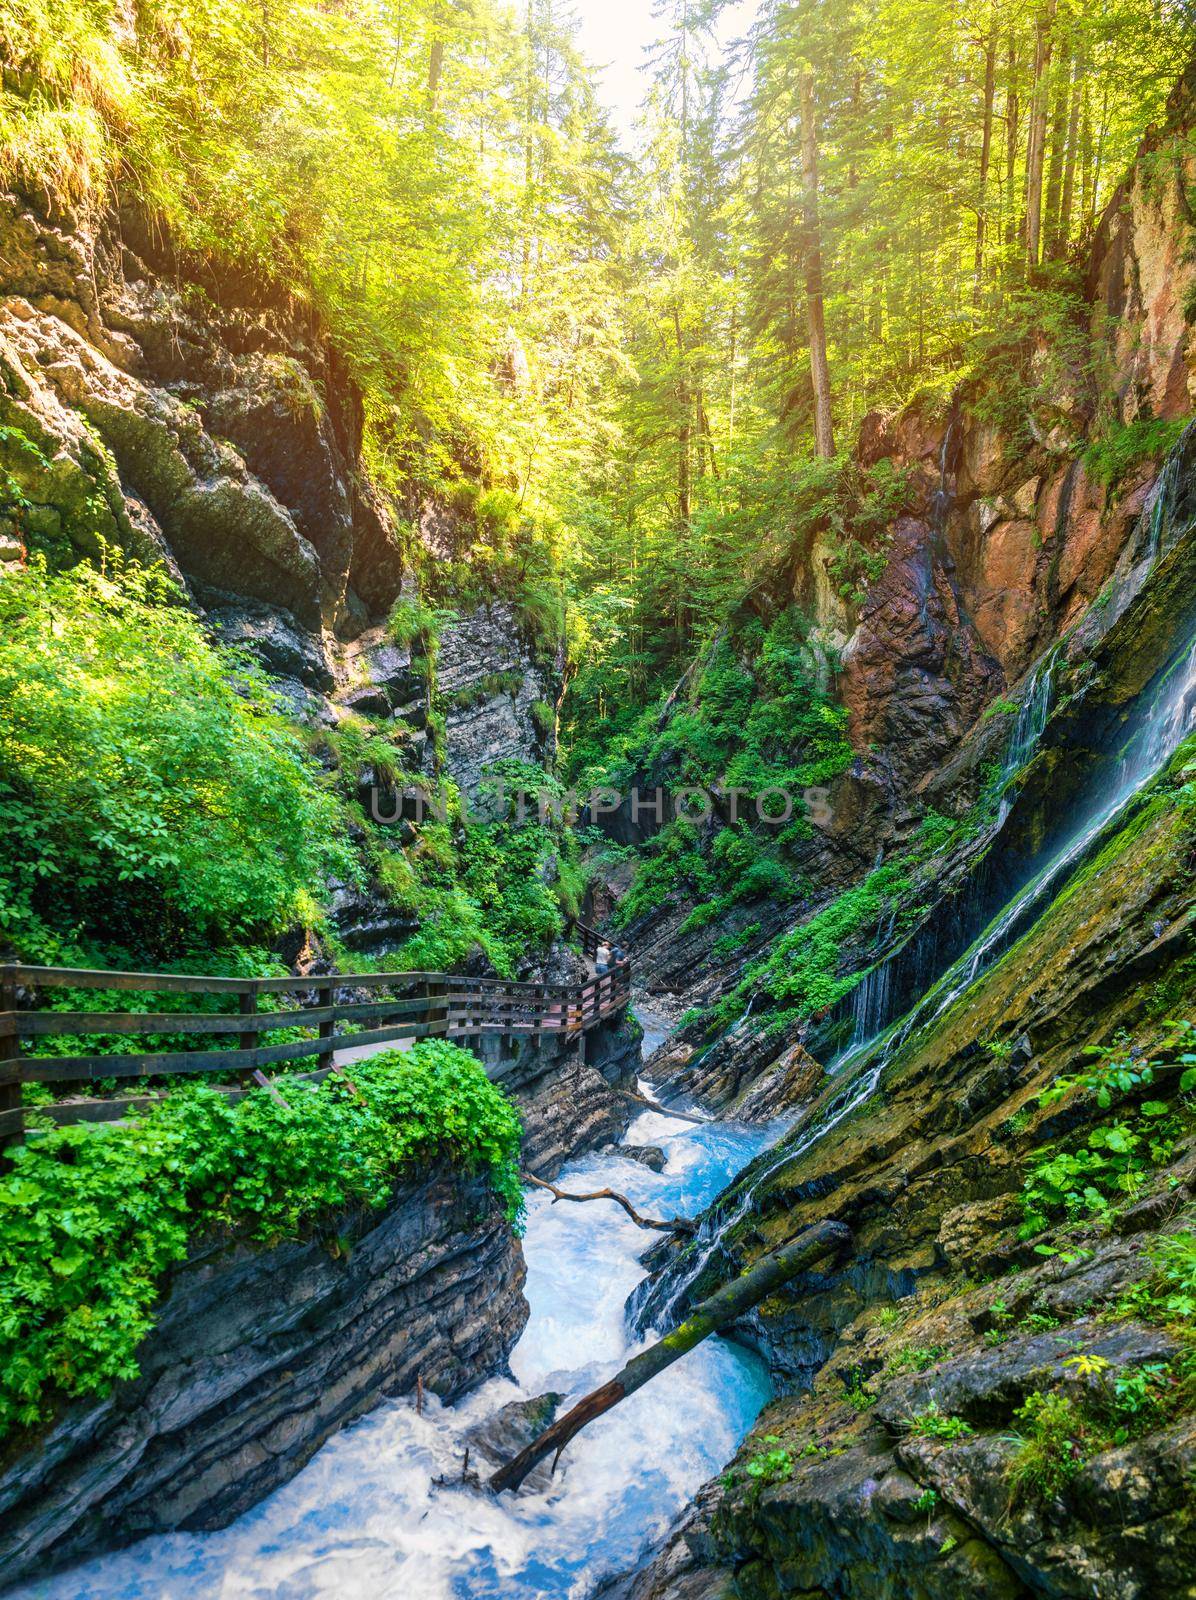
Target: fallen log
664 1111
677 1225
722 1308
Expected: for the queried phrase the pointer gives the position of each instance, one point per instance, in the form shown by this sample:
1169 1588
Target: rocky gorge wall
1011 542
259 1356
153 405
572 1096
898 1454
955 1415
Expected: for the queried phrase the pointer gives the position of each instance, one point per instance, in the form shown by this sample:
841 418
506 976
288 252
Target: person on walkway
602 960
617 956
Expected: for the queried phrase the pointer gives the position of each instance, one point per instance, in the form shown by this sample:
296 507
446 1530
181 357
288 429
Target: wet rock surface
511 1429
945 1308
257 1358
571 1098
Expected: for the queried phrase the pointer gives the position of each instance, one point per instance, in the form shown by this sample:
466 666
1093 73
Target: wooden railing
401 1006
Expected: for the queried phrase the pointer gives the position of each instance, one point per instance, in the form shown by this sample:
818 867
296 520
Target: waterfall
1033 710
943 498
870 1002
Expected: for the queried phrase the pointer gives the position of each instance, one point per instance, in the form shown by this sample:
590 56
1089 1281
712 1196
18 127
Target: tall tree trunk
1054 182
439 21
986 142
1067 198
1100 153
824 441
529 115
1013 224
685 427
1036 150
1086 157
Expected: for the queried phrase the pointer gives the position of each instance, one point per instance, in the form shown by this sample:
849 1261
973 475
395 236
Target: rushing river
364 1521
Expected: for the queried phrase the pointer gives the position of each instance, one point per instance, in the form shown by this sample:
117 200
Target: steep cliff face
975 1293
257 1358
1013 523
187 417
1033 508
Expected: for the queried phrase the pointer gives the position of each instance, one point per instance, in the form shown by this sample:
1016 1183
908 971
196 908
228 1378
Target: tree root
676 1225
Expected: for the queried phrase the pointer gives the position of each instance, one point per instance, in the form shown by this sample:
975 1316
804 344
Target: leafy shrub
411 622
766 1466
496 883
1174 1256
92 1217
935 1424
1052 1447
1106 1408
801 971
148 790
1087 1175
672 861
914 1358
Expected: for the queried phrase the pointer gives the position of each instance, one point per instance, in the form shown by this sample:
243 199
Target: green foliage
92 1217
857 1393
1053 1447
499 882
926 1501
774 1465
1117 1071
1106 1407
914 1358
1168 1294
148 789
1103 1169
1174 1257
1089 1174
801 974
671 861
411 622
723 949
935 1424
1114 453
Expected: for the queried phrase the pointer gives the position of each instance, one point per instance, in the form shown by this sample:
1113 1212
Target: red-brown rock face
915 673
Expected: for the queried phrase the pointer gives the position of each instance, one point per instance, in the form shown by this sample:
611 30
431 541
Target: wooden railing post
324 999
248 1008
12 1117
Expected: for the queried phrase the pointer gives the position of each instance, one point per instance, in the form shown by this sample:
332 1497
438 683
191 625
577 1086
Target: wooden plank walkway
401 1007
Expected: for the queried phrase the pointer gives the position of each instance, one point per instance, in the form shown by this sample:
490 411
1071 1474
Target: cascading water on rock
1168 716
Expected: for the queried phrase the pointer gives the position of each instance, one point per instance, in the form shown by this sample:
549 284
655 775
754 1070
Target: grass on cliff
91 1218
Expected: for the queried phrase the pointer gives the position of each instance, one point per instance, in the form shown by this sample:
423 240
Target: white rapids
364 1520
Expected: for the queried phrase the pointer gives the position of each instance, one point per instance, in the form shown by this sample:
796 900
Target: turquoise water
364 1520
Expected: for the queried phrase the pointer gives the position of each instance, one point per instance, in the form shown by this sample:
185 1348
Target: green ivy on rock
91 1218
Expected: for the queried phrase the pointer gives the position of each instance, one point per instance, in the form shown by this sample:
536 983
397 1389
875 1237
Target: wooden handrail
432 1005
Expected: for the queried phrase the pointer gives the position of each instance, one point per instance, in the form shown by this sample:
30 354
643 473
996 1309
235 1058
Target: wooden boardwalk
324 1014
